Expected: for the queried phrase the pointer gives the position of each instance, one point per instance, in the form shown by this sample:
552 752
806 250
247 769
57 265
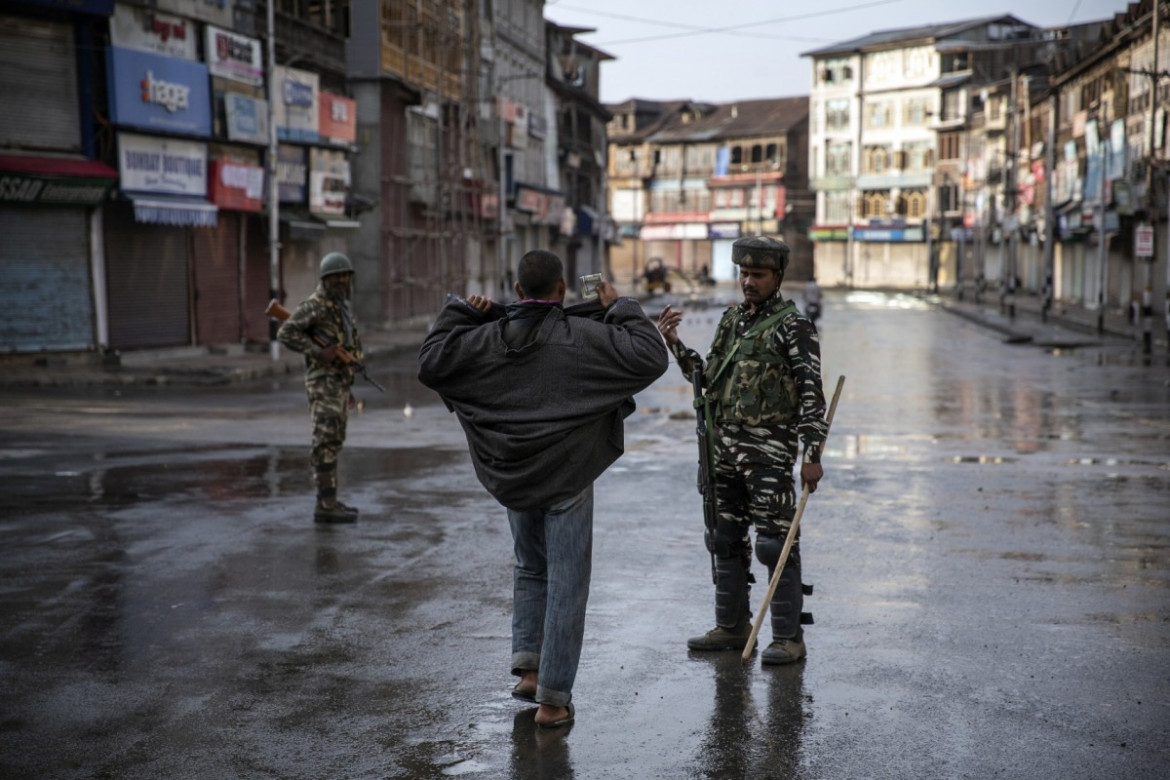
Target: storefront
163 188
46 220
48 197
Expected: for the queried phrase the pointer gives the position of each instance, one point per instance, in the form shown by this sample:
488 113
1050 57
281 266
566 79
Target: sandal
565 721
524 694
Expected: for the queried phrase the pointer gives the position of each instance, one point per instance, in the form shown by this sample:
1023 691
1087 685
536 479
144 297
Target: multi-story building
884 108
135 154
1111 168
579 228
415 70
696 176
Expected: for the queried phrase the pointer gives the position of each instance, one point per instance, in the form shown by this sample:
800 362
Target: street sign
1143 241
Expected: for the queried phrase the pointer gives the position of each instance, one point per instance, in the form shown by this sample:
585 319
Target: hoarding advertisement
167 166
153 92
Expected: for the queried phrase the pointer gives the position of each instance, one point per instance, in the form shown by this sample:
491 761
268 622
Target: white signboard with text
234 56
168 166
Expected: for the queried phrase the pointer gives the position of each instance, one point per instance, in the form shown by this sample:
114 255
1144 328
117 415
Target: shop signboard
296 104
234 56
247 118
292 171
148 30
236 186
337 122
168 166
163 94
328 181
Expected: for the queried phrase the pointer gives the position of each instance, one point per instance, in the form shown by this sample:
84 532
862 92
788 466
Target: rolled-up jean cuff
552 698
525 662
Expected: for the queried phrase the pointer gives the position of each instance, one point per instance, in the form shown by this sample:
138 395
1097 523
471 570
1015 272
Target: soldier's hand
668 322
606 295
480 303
810 475
329 355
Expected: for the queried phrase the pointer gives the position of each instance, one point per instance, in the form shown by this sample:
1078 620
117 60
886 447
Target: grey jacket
543 411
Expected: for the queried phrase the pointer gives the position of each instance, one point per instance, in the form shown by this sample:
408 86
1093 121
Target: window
948 146
837 207
770 153
914 112
875 204
757 153
948 198
952 105
878 115
875 159
736 155
912 204
837 114
836 71
917 156
838 160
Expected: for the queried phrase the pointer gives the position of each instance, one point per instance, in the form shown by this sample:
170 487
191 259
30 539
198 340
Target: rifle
280 313
706 463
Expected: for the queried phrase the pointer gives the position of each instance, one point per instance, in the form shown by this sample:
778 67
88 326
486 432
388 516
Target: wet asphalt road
990 550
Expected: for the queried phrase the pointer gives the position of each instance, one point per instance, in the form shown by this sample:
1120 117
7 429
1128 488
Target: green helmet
335 263
760 252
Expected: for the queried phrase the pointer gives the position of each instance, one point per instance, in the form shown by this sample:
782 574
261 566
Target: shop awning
298 227
179 212
950 80
66 181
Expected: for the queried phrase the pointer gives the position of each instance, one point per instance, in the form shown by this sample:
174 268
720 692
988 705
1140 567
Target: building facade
687 179
160 140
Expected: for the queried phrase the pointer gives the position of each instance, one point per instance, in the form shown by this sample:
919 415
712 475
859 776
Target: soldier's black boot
787 637
330 510
733 623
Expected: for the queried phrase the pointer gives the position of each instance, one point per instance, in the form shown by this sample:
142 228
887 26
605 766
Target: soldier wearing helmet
328 377
763 378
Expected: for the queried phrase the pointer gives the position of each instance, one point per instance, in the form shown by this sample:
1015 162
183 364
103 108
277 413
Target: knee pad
729 540
769 547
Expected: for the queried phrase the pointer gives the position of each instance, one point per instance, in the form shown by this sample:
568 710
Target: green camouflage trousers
754 481
329 410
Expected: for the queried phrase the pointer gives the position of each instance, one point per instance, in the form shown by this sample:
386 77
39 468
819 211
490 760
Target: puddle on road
204 473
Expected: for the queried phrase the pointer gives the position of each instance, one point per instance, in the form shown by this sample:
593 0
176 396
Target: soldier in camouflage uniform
325 315
763 376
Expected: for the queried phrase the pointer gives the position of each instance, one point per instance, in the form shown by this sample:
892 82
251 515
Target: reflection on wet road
989 551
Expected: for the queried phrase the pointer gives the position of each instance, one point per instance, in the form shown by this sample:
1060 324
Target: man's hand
606 295
480 303
329 355
668 322
810 475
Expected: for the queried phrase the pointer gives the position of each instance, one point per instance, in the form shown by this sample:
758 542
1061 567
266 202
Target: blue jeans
554 560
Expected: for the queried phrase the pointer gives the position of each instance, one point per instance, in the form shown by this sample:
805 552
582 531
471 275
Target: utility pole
1010 190
1102 254
1049 210
273 189
1147 311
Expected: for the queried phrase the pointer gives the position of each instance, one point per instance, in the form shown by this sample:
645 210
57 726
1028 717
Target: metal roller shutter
38 85
45 299
217 281
146 280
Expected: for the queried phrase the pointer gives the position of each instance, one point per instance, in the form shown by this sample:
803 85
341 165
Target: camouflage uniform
328 386
767 401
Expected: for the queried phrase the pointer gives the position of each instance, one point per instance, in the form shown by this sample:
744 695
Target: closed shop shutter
256 280
38 85
216 268
146 280
45 298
